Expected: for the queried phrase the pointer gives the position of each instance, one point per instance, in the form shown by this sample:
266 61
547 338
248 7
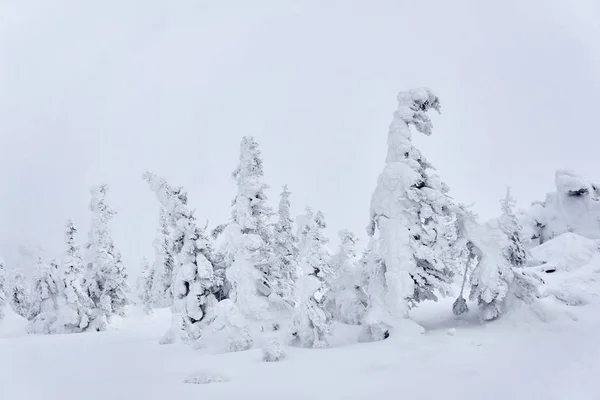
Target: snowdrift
569 264
12 324
564 253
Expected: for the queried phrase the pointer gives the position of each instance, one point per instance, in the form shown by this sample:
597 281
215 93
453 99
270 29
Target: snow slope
516 357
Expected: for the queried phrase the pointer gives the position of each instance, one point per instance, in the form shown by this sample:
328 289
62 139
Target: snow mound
564 253
205 377
575 288
12 324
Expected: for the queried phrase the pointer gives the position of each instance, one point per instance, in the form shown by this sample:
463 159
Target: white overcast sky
99 91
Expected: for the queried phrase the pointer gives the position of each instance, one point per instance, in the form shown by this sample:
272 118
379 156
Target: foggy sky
98 92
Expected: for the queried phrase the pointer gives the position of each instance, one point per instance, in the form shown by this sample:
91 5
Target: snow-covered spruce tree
144 286
163 264
411 221
43 311
75 307
515 252
105 277
17 293
284 267
249 239
494 280
312 321
524 284
194 281
345 300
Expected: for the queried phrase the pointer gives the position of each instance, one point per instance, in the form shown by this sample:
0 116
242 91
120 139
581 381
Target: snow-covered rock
573 207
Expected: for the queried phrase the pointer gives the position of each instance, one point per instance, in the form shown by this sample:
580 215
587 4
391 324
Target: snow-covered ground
519 356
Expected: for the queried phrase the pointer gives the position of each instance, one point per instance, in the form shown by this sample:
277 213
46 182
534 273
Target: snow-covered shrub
272 351
206 377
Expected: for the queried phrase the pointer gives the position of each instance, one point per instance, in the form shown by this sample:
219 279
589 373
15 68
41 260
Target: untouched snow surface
516 357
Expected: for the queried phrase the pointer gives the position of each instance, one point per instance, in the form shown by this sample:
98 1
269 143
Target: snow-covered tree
43 311
490 280
463 254
105 277
2 289
494 280
345 301
249 238
17 293
412 225
284 267
75 307
144 286
194 281
312 321
227 329
163 263
515 252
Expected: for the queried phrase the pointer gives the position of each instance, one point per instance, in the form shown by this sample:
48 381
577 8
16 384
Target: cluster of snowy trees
265 278
74 293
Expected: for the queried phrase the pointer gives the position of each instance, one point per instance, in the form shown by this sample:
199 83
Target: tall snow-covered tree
249 238
43 311
105 277
17 293
144 286
163 264
194 281
75 308
345 301
284 266
312 320
411 221
515 252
